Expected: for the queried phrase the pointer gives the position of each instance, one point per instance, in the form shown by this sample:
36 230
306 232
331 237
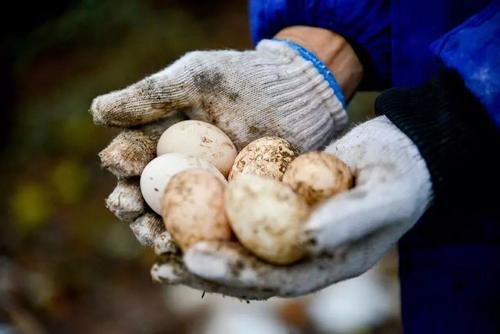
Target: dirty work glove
126 156
345 235
429 144
278 89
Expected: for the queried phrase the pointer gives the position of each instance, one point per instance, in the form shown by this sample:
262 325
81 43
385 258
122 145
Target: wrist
333 50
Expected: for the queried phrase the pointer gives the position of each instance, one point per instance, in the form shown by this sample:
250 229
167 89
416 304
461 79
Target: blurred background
66 264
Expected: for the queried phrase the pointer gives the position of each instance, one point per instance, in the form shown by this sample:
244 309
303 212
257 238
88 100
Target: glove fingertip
125 201
167 273
147 228
103 108
94 111
128 153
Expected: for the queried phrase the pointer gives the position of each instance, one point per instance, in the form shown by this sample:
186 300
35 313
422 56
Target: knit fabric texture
453 133
270 91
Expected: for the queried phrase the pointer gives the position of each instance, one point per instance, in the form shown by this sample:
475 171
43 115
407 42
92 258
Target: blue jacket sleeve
473 50
365 24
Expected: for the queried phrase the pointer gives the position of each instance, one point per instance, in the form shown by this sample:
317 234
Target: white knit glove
345 236
272 90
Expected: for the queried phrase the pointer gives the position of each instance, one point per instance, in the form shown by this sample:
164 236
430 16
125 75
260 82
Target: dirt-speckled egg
160 170
199 139
193 208
266 156
317 176
266 216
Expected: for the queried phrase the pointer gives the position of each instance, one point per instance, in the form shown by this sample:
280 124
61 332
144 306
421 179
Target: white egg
199 139
317 176
159 171
266 156
267 217
193 208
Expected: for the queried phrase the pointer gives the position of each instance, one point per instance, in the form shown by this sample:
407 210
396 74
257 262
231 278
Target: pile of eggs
205 190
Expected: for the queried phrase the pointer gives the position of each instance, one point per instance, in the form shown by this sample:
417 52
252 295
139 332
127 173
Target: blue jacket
450 261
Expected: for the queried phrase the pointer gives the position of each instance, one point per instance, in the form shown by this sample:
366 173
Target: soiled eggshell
318 175
199 139
266 216
193 208
159 171
266 156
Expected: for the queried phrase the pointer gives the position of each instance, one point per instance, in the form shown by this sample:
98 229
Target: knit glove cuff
453 133
310 93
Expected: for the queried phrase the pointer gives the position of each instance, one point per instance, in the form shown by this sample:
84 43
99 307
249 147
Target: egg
318 175
266 156
193 208
266 216
199 139
160 170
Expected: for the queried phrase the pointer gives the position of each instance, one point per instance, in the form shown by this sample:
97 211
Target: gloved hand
273 89
448 139
344 236
278 89
126 156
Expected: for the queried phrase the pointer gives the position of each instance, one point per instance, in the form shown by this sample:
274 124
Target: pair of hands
272 90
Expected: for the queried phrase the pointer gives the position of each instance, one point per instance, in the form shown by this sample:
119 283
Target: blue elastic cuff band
323 70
